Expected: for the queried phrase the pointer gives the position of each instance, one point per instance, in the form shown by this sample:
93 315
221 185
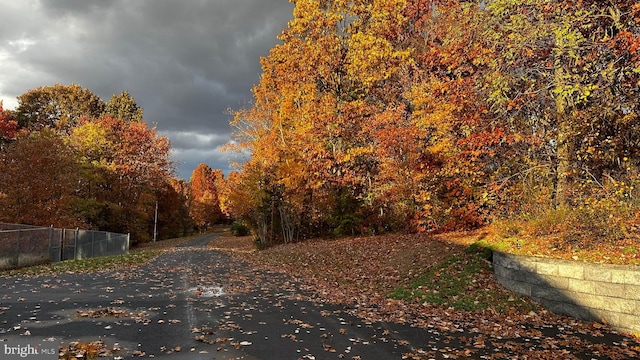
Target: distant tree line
69 159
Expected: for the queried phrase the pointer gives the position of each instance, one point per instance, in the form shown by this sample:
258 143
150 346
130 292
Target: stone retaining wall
592 292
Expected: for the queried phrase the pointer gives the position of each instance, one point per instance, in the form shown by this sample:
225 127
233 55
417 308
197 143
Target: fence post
50 243
18 247
62 235
128 239
75 244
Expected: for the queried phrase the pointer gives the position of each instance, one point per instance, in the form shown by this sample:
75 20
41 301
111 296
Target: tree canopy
58 107
123 106
70 160
423 115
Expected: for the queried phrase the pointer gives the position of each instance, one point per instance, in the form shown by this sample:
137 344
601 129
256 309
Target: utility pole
155 224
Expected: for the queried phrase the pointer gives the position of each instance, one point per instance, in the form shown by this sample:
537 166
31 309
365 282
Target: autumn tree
123 106
204 199
320 97
57 107
8 127
173 214
39 175
224 191
248 201
124 163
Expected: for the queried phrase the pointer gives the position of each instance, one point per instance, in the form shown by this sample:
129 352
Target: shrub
350 224
585 226
239 229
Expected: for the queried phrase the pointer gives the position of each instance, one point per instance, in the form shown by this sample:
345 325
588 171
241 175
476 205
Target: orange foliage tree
204 199
38 177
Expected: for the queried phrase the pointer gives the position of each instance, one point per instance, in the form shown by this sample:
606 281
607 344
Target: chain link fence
83 244
25 245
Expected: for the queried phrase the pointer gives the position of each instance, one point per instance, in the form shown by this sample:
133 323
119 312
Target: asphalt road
189 303
195 303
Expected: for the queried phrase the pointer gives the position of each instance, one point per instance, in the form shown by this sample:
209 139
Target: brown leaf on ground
360 273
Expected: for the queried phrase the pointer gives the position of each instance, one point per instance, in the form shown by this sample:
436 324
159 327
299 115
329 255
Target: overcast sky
184 61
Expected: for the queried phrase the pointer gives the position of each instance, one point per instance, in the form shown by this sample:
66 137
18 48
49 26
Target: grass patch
138 255
115 262
463 282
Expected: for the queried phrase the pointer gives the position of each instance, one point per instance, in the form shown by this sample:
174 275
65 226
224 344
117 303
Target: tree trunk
564 152
564 161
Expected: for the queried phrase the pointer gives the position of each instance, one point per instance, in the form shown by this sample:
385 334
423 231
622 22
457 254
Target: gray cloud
184 61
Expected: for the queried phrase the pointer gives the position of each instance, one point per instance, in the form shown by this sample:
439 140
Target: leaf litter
361 274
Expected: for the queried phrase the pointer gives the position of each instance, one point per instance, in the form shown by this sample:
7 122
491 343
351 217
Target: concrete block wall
592 292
